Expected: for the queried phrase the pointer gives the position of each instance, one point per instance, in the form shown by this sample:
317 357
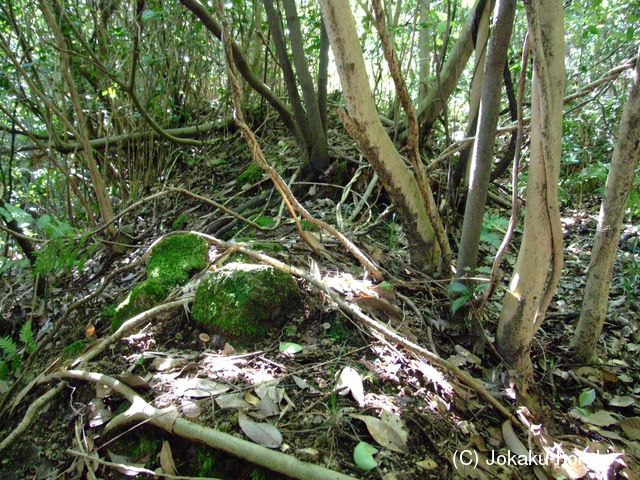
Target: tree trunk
461 174
539 262
289 77
424 60
482 160
440 92
319 156
362 122
100 189
603 255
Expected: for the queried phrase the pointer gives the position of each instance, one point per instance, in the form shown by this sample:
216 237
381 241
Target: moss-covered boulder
175 259
244 301
144 296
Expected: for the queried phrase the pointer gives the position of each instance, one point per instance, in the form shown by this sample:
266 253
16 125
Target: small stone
308 454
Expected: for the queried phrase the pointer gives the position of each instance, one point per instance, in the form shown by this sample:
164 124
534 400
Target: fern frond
8 346
26 333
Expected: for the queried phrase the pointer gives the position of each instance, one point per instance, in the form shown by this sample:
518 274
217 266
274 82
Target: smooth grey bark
319 155
288 75
363 123
440 90
603 255
323 77
482 159
540 258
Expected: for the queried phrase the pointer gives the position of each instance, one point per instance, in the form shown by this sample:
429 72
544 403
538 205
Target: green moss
267 246
144 296
175 259
207 460
148 443
262 220
107 313
75 349
251 174
245 301
179 222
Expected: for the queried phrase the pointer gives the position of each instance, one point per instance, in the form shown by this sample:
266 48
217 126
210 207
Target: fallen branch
168 420
30 416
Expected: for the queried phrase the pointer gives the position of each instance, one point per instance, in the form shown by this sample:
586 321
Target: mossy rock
175 259
144 296
244 301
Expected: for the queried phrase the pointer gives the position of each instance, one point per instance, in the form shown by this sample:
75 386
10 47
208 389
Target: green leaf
363 456
290 348
587 397
459 302
458 287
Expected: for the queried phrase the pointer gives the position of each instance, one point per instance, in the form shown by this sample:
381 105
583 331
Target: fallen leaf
166 459
290 348
134 381
162 364
427 464
624 401
351 381
363 456
232 400
631 427
99 414
264 434
388 431
199 387
601 418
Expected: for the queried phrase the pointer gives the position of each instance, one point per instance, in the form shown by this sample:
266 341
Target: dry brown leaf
631 427
134 381
388 431
166 459
264 434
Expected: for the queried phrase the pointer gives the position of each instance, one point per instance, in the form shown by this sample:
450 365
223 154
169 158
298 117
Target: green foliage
267 246
586 398
10 358
66 248
260 474
494 228
462 294
630 273
176 258
338 331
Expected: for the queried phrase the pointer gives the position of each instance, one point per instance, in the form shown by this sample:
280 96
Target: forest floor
348 385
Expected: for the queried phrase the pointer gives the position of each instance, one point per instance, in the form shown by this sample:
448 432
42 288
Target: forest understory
418 416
